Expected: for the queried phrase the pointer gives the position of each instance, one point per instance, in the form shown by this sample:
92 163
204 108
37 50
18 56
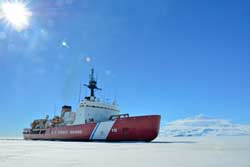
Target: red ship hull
139 128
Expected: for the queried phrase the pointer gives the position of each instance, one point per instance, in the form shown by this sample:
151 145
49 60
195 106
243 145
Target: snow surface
203 126
173 152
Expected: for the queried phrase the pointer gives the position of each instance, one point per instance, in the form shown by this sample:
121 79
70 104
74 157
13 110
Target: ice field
172 152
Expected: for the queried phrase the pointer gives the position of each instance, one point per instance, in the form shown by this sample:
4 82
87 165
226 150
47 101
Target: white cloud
201 125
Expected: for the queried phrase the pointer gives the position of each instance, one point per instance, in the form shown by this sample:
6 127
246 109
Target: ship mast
92 85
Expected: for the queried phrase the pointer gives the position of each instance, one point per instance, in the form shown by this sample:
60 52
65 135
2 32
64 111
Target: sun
15 14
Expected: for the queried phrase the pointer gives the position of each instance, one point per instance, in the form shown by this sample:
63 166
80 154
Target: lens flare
15 14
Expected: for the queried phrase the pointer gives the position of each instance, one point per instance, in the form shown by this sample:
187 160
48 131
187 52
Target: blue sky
176 58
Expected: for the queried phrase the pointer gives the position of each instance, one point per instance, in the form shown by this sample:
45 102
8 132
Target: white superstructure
90 109
94 111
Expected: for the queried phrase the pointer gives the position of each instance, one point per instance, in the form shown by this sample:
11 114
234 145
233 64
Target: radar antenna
92 85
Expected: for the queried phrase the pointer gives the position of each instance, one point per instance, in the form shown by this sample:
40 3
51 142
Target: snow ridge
201 125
